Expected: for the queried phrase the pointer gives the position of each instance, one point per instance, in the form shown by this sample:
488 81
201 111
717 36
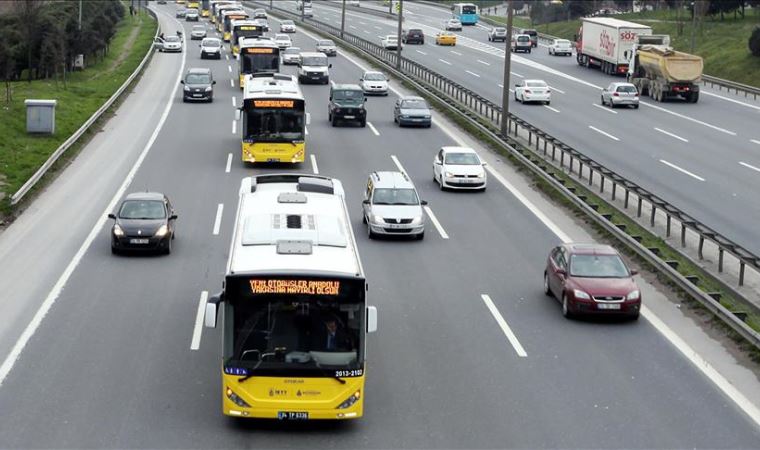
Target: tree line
41 38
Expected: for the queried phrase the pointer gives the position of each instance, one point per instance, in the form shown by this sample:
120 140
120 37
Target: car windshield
198 28
211 43
292 51
281 37
287 22
627 88
172 39
314 60
414 104
395 197
197 78
326 43
598 266
348 95
462 159
374 76
535 84
142 209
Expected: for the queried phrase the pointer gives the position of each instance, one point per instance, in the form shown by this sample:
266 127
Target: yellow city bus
227 18
293 308
273 120
243 29
216 4
193 4
257 56
205 8
220 10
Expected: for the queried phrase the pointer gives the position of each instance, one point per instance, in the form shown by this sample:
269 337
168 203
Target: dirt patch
125 52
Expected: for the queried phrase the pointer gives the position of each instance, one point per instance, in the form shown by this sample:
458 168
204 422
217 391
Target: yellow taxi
445 38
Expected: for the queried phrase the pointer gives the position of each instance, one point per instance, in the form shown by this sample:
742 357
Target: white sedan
533 91
452 25
287 26
373 82
561 47
459 168
390 42
283 41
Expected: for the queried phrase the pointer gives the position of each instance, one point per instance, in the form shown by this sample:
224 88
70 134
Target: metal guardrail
34 179
486 115
729 85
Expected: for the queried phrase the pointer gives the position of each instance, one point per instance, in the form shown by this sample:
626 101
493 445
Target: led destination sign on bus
258 50
296 287
273 103
248 28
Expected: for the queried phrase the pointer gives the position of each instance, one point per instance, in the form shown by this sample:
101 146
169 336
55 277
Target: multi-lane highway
98 350
704 158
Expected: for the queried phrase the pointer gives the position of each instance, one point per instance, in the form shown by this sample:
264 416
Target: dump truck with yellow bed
661 72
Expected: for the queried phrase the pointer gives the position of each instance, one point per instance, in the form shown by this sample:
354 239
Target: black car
144 221
412 111
413 36
347 103
533 36
199 85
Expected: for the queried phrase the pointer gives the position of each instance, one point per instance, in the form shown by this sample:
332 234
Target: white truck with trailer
606 43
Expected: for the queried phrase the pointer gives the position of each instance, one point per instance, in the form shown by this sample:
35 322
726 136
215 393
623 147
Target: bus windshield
301 325
469 9
274 125
260 62
246 31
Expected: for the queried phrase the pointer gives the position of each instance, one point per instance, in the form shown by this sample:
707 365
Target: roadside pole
343 19
400 6
507 66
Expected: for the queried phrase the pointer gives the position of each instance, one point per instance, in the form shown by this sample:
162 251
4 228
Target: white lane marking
398 164
484 63
195 343
501 86
229 68
504 326
555 89
232 83
52 296
671 134
444 61
306 131
517 75
682 170
351 26
227 56
730 100
604 108
603 132
511 90
421 53
749 166
234 126
229 163
473 73
233 101
722 130
378 27
218 219
755 141
550 108
456 53
436 223
705 367
363 23
314 167
374 130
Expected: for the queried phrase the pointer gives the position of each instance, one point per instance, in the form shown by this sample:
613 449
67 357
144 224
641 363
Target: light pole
400 5
693 24
79 24
343 19
507 64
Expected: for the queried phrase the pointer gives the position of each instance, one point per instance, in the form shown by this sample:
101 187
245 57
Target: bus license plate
273 159
608 306
138 241
293 415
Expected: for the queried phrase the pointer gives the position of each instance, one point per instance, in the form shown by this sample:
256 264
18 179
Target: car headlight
417 220
236 399
117 231
351 400
377 219
633 295
187 88
449 174
482 175
427 116
209 89
161 232
581 295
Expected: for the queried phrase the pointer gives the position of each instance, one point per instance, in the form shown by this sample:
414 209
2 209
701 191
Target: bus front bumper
273 152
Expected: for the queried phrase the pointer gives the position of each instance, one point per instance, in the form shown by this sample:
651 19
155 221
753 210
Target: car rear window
523 39
631 89
531 33
535 84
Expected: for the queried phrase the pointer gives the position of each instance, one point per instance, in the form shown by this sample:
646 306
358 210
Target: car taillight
615 94
527 91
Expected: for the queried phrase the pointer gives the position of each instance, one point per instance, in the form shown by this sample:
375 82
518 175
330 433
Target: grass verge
22 154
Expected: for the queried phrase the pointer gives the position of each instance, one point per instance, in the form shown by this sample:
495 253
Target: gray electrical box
40 116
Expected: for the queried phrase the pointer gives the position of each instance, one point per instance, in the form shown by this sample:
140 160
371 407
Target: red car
591 279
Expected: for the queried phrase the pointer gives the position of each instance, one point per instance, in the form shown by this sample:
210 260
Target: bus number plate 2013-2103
293 415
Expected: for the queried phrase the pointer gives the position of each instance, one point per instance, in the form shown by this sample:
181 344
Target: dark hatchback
412 111
347 103
199 85
144 222
591 279
413 36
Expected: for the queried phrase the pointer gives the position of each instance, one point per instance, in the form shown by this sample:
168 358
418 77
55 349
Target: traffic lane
31 265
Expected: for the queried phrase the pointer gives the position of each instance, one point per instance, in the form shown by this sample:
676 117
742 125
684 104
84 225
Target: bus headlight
236 400
351 400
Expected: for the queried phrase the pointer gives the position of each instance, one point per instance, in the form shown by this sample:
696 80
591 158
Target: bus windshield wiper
326 373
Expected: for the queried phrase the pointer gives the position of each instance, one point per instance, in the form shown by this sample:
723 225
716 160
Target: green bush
754 42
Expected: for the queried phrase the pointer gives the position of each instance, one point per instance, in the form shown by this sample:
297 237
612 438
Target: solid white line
234 126
553 109
722 130
444 61
511 90
227 56
229 68
517 75
421 53
218 220
195 343
232 83
483 62
306 131
437 224
755 141
682 170
555 89
456 53
398 164
314 167
730 100
473 73
671 134
604 108
504 326
750 166
374 130
52 296
229 163
233 102
603 132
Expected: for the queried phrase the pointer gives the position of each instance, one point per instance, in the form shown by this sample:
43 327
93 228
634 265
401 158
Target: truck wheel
602 100
694 97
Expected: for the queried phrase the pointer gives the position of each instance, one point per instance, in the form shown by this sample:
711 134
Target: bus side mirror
237 114
371 319
209 320
308 118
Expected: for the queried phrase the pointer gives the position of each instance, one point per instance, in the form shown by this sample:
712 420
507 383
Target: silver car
291 55
198 32
327 47
169 44
620 94
497 34
392 207
452 25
